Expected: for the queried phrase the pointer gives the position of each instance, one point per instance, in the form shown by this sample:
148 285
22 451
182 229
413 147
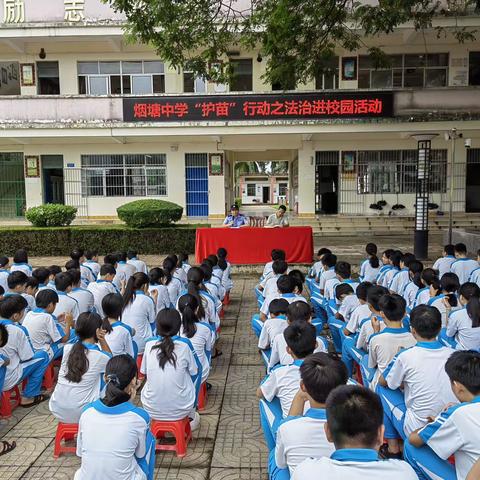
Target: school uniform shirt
169 393
120 339
30 301
186 267
267 269
86 275
325 276
348 305
423 296
271 328
140 314
99 290
443 264
410 293
437 302
381 274
93 266
85 299
399 281
289 297
316 269
360 313
474 276
181 275
270 287
463 267
460 327
427 389
66 304
212 289
365 332
383 347
299 438
22 267
49 286
221 290
388 277
369 273
226 279
109 441
18 349
3 279
163 298
456 432
354 464
43 330
174 288
140 265
210 305
330 286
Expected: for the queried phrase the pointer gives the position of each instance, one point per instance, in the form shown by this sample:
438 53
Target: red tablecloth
254 245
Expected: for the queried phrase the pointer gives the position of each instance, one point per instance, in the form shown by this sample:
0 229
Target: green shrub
149 213
51 215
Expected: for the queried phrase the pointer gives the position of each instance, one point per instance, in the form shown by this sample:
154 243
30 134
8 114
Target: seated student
139 309
370 268
215 290
385 344
428 277
86 273
462 330
299 279
329 261
317 268
269 287
401 278
276 254
302 435
444 293
120 279
44 329
118 335
183 261
91 262
395 258
226 279
17 285
361 312
354 425
415 269
456 430
20 263
475 275
178 272
103 286
173 284
200 334
421 371
348 302
296 312
444 263
278 389
84 298
82 369
4 272
66 303
4 361
216 270
275 324
123 266
463 266
386 267
222 254
43 277
31 290
140 265
157 278
114 439
24 363
173 373
343 274
54 270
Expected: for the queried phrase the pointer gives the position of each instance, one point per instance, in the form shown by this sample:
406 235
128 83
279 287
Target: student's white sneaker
195 422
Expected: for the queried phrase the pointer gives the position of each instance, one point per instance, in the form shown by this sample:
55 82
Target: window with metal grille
395 171
131 175
251 189
327 77
282 189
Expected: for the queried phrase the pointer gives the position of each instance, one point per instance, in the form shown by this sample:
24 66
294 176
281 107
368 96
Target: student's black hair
362 289
329 260
207 261
207 272
131 254
121 255
415 269
168 266
21 256
41 274
374 294
11 305
429 276
110 258
388 252
354 413
299 311
2 290
395 258
343 269
372 250
449 249
119 372
463 366
3 335
278 254
173 257
471 292
112 306
32 282
72 264
278 306
279 267
282 207
299 279
194 285
76 275
3 261
187 305
136 282
343 289
321 373
77 363
16 278
54 269
393 306
182 258
89 254
168 325
461 248
107 269
156 275
285 284
322 251
45 297
408 258
478 252
449 284
63 281
222 252
76 254
301 337
222 263
213 259
426 320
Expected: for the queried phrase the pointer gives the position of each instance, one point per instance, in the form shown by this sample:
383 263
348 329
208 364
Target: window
193 84
242 79
395 171
251 189
327 78
474 68
121 78
404 71
124 175
48 78
282 189
9 78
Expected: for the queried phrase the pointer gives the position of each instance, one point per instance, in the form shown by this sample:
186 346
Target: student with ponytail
118 335
157 278
370 268
114 439
139 308
428 278
443 295
415 269
173 284
81 373
462 331
173 372
395 259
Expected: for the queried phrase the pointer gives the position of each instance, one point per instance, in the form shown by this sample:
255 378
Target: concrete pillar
306 180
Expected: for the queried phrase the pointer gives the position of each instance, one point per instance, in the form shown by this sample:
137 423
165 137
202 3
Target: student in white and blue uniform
269 286
443 293
3 358
183 261
360 312
119 335
43 276
354 425
66 304
317 268
91 262
140 265
456 431
173 284
474 276
370 268
329 261
302 435
87 275
395 259
17 284
80 379
103 286
443 264
20 263
214 289
139 309
123 267
4 272
226 275
429 279
463 266
85 299
410 291
276 323
385 268
402 277
157 277
114 440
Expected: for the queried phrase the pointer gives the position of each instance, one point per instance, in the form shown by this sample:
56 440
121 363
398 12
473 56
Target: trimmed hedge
149 213
51 215
60 241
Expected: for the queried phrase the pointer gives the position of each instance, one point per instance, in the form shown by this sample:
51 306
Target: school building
93 121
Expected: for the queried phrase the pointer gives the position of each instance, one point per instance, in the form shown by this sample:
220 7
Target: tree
297 38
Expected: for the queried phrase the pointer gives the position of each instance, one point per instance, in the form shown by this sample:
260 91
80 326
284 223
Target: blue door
196 174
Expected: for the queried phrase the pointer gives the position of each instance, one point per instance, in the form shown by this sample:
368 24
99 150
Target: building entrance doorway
326 183
266 195
53 179
472 196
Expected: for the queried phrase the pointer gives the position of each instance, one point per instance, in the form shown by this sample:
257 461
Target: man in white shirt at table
278 219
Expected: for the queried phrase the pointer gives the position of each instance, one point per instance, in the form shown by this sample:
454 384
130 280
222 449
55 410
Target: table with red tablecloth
254 245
